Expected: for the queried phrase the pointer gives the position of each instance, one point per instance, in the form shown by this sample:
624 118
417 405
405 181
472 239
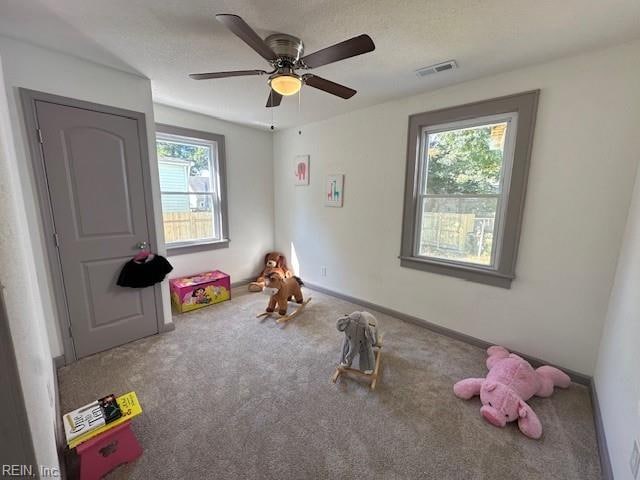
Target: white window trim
218 181
511 119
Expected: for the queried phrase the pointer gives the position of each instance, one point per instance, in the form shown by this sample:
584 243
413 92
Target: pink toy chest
201 290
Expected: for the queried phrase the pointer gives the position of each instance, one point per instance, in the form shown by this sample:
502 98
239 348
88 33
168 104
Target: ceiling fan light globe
286 84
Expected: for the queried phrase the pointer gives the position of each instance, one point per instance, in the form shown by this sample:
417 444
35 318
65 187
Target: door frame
28 101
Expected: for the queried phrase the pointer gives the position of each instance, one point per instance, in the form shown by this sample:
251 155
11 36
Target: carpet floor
228 396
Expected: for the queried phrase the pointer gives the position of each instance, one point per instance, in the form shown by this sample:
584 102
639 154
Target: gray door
93 166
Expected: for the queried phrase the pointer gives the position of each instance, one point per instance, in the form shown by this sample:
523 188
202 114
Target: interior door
94 173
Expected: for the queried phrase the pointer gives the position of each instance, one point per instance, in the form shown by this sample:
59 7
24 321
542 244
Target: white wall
24 302
617 381
581 177
250 196
249 163
30 301
40 69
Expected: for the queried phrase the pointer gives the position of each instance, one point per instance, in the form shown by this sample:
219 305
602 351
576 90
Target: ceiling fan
285 54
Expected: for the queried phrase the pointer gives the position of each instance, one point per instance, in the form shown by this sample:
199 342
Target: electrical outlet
634 463
323 271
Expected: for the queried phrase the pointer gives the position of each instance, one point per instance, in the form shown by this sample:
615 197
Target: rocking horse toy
362 341
281 289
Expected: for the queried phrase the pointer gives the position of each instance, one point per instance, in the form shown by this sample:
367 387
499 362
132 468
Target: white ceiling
165 40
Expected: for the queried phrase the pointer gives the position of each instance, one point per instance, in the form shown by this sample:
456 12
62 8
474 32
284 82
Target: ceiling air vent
437 68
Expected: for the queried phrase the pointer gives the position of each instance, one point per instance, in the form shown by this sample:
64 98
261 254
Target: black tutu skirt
140 274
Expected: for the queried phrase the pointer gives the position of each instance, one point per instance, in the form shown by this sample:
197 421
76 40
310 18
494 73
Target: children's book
90 417
110 408
90 420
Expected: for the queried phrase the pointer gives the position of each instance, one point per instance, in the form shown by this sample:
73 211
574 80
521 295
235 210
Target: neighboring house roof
174 160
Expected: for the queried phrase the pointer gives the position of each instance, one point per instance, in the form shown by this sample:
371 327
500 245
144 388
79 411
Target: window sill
466 272
191 247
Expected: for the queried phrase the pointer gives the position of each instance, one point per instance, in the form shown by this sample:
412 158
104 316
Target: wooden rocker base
285 318
372 378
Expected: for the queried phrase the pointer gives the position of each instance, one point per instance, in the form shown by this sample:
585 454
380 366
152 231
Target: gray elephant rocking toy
362 342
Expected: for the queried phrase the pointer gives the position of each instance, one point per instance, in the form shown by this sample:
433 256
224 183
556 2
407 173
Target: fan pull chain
272 107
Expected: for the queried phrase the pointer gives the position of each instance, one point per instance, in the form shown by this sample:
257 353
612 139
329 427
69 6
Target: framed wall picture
334 190
301 170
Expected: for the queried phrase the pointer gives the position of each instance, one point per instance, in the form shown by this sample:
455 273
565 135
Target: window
466 177
191 167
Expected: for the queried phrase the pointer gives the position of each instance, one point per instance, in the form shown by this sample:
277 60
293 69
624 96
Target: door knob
142 246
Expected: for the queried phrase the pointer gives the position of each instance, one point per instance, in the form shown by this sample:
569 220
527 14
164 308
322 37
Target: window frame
218 159
502 271
511 119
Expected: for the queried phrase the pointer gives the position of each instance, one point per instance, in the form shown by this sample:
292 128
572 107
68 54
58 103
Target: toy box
197 291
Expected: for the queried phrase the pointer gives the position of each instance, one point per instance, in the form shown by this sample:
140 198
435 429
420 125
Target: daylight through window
464 167
189 170
466 179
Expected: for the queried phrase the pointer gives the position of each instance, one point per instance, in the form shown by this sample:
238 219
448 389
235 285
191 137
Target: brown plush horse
281 290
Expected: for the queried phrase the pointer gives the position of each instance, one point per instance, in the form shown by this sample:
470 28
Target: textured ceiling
165 40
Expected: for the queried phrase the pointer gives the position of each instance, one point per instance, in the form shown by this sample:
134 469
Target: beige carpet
226 396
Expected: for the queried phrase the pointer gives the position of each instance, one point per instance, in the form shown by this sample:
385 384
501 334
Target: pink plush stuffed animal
511 381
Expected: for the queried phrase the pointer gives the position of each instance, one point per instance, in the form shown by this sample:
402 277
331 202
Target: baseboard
59 361
59 431
167 327
243 282
576 377
603 450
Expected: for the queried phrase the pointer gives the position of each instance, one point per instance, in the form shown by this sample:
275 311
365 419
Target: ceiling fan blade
328 86
347 49
238 26
274 99
235 73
